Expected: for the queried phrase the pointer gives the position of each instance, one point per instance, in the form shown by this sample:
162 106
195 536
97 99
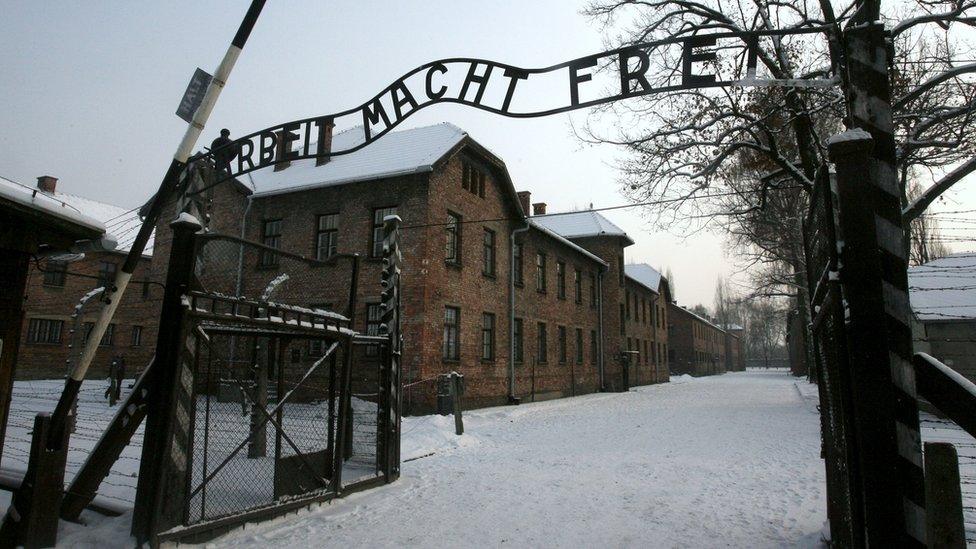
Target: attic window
473 179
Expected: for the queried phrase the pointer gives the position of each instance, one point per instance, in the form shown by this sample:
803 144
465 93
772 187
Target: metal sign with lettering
193 95
700 61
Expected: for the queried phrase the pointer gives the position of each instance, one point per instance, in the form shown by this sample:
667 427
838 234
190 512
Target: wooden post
32 518
163 466
13 272
874 279
392 386
457 387
943 497
83 487
882 383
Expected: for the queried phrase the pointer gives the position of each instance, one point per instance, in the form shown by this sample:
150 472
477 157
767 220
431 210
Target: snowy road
727 461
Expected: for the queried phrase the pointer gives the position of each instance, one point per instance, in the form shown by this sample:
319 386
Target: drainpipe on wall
512 397
599 297
240 267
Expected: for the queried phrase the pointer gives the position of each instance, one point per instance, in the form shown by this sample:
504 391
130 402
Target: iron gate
287 401
833 369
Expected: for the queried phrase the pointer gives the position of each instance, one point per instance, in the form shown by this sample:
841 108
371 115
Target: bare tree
765 328
670 279
686 142
743 160
701 311
926 241
728 305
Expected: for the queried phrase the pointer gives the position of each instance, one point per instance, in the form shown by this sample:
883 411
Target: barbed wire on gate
419 382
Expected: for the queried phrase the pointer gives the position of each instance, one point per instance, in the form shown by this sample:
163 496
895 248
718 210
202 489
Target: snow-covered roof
580 224
944 289
644 275
565 241
45 202
397 153
118 222
701 318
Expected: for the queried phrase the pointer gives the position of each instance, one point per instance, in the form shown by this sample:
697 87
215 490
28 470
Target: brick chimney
325 128
524 197
539 208
47 183
283 146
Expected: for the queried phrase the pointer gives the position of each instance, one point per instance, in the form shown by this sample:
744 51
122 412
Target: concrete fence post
943 497
457 389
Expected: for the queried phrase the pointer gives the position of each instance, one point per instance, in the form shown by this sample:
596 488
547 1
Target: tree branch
922 202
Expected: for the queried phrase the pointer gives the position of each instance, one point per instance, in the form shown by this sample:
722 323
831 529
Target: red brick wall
699 347
429 283
645 334
354 204
611 250
537 380
49 361
662 321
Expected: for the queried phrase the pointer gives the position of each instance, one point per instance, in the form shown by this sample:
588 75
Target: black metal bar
334 258
947 390
206 442
345 408
280 383
247 25
205 531
333 364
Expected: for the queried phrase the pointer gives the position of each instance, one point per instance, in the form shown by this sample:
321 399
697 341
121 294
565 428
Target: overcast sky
88 91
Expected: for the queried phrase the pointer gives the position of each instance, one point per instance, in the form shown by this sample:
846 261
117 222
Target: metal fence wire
275 356
827 306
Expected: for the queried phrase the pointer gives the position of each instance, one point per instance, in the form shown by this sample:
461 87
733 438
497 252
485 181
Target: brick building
528 307
54 329
697 344
646 307
525 306
735 352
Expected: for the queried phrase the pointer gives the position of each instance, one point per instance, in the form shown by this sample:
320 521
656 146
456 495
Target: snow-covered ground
94 414
722 461
730 460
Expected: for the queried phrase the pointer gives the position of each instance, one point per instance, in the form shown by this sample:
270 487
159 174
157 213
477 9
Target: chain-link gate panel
274 356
